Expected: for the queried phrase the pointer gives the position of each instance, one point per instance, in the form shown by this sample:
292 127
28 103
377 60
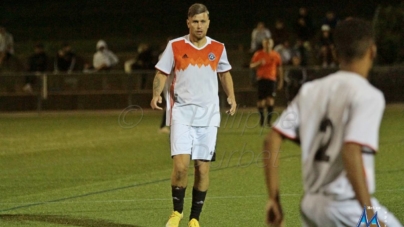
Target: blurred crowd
311 42
302 43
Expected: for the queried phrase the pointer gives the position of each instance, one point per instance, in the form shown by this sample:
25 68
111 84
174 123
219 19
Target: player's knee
270 101
202 172
180 172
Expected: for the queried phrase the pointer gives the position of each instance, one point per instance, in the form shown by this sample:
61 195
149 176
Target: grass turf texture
112 169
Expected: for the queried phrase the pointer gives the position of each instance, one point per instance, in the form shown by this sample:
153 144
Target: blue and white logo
364 219
211 56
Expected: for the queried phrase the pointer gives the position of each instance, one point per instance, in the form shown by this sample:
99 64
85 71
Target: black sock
198 199
178 194
270 109
262 118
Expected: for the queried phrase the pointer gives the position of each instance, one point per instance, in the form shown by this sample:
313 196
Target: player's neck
356 67
267 50
198 42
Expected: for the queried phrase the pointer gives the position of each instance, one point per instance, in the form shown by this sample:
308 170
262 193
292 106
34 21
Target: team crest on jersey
211 56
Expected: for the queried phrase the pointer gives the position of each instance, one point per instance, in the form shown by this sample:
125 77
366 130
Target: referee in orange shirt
268 64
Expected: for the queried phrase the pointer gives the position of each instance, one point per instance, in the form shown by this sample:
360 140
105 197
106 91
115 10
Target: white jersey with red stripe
342 107
193 95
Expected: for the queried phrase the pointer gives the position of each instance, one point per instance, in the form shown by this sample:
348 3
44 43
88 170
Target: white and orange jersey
193 95
342 107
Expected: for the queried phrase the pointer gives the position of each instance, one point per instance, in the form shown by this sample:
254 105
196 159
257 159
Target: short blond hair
197 8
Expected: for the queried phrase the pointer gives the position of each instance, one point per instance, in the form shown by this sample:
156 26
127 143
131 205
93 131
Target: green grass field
112 169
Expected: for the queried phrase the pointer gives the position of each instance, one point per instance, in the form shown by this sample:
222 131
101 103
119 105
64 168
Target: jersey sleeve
287 124
166 62
364 121
224 64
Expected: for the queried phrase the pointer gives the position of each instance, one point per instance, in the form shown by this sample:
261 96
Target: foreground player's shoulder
215 44
308 86
367 94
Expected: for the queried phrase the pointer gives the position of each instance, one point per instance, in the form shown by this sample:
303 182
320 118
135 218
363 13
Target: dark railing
117 89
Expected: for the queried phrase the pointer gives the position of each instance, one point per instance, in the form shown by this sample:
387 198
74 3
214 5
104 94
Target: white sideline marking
169 199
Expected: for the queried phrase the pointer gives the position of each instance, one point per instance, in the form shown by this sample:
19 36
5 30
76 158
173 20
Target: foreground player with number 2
336 121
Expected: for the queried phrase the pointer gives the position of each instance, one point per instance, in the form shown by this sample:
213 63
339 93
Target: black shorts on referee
266 88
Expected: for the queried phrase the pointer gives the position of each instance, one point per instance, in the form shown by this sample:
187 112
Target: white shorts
199 142
318 210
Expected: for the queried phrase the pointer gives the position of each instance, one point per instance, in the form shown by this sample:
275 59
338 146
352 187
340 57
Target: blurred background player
258 34
193 93
268 64
336 121
142 61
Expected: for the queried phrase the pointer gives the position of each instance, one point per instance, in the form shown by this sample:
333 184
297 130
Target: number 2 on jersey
326 131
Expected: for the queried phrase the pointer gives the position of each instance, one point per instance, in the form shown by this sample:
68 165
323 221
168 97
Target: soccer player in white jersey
336 120
193 107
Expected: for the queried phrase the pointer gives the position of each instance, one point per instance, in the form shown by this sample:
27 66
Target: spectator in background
331 20
327 52
104 59
6 45
303 53
142 61
280 33
285 51
258 34
38 64
294 77
65 59
304 27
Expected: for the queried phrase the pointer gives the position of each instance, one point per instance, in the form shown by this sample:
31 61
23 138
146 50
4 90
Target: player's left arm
271 152
362 131
353 162
227 84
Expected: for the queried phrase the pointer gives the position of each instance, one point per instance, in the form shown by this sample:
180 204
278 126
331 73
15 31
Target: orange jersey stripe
185 54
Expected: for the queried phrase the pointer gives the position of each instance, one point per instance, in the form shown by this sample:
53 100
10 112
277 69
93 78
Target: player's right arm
285 127
256 61
158 86
164 68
